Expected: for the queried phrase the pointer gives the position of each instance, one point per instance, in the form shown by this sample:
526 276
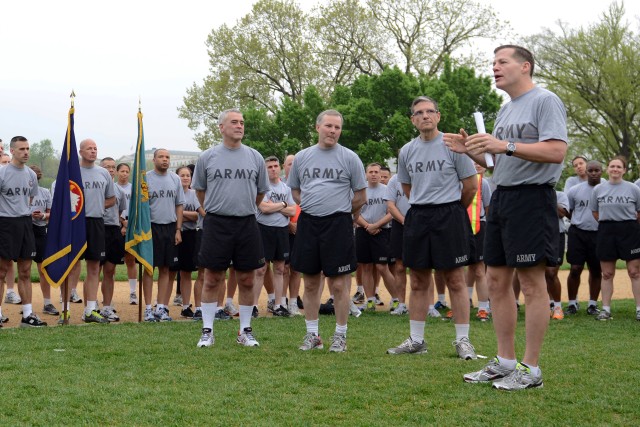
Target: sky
114 53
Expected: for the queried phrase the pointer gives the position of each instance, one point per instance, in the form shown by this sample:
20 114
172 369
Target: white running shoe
206 339
12 298
246 338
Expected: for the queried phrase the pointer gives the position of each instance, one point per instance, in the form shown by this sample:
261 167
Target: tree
596 73
45 157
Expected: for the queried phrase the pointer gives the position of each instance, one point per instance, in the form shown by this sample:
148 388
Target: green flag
138 239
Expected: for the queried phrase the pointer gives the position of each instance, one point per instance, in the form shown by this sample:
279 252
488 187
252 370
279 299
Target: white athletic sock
47 301
159 306
229 301
208 314
637 307
377 289
283 302
148 307
341 329
462 331
271 297
441 298
607 308
91 306
431 307
26 310
592 302
185 306
535 370
133 284
0 311
360 289
483 305
199 308
245 316
507 363
416 328
470 290
312 326
573 302
557 304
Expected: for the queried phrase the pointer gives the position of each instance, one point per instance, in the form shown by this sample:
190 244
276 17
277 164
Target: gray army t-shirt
17 187
277 193
191 204
396 194
433 171
165 193
41 202
327 179
581 214
616 202
98 186
126 191
563 202
375 207
231 178
112 214
537 115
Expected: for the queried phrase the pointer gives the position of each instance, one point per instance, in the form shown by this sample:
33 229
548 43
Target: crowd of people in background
239 223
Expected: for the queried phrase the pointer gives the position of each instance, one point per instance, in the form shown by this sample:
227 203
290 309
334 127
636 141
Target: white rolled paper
488 158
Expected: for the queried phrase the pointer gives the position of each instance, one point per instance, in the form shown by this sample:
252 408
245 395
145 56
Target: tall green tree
596 72
45 157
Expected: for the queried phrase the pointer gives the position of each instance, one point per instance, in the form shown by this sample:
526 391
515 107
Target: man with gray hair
230 180
327 180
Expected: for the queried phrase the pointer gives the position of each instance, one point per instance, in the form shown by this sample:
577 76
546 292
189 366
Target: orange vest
475 207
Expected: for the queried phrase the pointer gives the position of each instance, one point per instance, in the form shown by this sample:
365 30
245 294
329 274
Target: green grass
153 374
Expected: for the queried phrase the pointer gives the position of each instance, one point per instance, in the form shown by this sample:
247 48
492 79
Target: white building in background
178 158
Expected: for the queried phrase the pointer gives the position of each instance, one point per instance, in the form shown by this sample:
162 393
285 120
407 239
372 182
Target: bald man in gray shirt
230 180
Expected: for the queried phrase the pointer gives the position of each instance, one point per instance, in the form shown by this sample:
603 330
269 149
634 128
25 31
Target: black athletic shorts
95 240
231 239
113 245
477 245
324 244
396 239
40 236
275 242
165 251
581 247
618 240
196 249
522 227
436 236
292 238
186 250
16 238
372 249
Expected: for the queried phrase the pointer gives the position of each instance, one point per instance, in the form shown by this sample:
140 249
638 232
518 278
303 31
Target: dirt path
129 313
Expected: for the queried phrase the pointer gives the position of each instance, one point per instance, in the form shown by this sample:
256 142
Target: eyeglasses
423 112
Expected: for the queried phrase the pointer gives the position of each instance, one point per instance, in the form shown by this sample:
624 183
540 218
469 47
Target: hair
223 115
579 157
107 159
121 165
192 168
15 139
184 167
35 168
622 159
594 163
271 159
521 54
335 113
423 99
372 164
385 168
155 153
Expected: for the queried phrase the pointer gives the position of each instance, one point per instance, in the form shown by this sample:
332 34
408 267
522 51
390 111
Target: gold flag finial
72 96
139 104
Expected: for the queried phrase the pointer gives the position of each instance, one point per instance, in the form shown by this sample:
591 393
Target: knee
608 274
634 272
575 272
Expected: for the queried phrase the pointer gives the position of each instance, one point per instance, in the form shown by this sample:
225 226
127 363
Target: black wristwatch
511 148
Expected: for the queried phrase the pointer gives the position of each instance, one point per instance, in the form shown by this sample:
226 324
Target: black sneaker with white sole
33 321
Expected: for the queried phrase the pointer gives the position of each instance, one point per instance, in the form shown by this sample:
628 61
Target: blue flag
66 234
138 238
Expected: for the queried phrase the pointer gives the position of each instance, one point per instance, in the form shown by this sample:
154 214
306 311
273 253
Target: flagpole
65 286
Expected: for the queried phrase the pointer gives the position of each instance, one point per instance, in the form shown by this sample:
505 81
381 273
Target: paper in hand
488 158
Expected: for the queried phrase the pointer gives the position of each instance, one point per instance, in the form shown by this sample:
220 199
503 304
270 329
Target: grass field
153 374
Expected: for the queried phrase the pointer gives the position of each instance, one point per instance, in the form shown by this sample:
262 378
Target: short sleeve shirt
277 193
165 193
98 186
17 187
41 202
396 194
616 202
579 197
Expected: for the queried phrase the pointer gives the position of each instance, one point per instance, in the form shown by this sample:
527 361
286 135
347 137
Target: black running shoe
187 313
592 310
222 315
300 303
281 312
33 321
197 315
255 312
571 309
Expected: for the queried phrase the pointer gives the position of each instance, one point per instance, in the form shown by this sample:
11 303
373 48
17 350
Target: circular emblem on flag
77 199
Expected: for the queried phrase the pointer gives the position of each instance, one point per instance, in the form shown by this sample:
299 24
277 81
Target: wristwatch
511 148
